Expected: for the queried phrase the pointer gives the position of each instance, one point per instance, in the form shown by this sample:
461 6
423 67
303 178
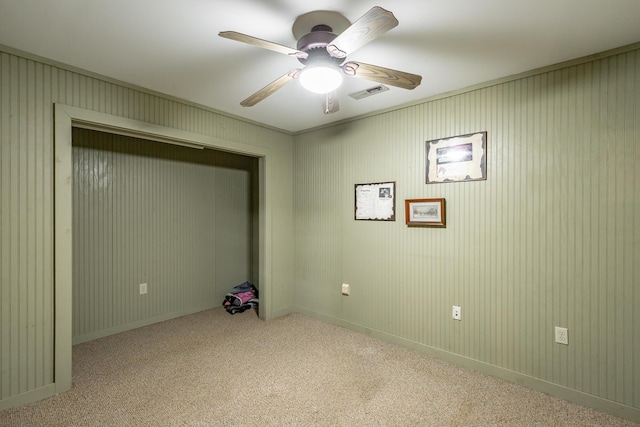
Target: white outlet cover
456 313
562 335
346 289
143 288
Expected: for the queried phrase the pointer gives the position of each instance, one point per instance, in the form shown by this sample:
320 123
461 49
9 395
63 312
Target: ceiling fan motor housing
315 45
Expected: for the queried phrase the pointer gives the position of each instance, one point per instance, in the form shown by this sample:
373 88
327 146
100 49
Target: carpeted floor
215 369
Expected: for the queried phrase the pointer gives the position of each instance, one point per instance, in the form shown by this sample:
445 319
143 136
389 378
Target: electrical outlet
562 335
346 289
456 313
143 288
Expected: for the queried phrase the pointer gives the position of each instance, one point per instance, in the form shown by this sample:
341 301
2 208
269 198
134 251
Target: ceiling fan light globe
320 79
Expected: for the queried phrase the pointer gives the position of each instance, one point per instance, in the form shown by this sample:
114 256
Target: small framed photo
425 213
457 159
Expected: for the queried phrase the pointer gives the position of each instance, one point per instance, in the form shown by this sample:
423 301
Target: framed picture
456 159
425 213
375 202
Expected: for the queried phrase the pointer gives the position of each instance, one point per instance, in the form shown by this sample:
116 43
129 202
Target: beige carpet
215 369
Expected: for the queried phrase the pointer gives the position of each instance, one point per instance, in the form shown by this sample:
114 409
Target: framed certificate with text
375 202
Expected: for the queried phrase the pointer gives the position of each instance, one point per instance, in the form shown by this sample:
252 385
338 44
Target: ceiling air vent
369 92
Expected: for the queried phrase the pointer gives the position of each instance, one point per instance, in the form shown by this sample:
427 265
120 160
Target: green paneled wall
173 217
29 88
551 238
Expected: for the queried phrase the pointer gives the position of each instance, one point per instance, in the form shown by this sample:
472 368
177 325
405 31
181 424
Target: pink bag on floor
241 298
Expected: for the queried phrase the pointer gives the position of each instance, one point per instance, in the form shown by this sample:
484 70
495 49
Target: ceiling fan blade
382 75
263 44
270 88
330 103
370 26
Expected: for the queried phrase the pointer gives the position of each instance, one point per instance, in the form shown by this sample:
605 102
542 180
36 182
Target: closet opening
69 120
159 230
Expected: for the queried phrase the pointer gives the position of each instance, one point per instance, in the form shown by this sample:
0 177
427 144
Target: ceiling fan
323 54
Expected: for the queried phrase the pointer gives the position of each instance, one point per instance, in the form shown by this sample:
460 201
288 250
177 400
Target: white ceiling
172 46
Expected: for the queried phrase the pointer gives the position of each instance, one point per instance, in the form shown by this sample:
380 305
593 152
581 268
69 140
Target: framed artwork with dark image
425 213
456 159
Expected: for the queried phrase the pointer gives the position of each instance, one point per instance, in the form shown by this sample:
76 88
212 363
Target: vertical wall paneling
232 219
26 320
549 239
29 90
160 214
